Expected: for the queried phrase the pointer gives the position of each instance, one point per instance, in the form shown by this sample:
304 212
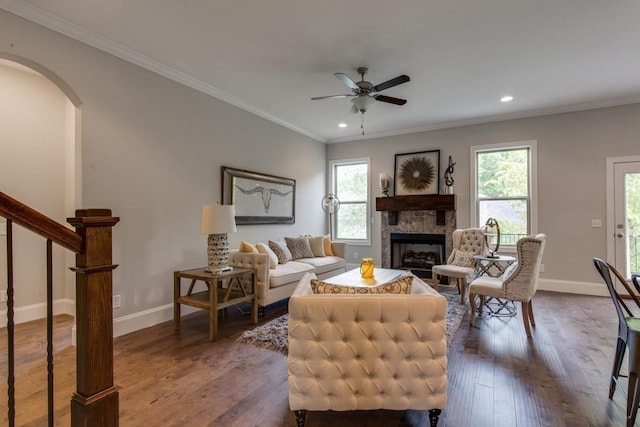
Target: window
350 183
504 187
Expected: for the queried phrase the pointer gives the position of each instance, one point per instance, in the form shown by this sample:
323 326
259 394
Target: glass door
627 217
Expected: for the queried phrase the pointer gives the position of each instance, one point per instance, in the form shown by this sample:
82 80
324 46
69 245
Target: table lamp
217 221
491 230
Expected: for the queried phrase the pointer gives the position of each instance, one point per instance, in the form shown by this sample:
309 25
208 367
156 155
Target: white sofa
364 352
278 284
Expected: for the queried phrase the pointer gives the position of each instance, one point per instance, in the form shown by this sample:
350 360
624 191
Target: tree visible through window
350 185
503 190
632 213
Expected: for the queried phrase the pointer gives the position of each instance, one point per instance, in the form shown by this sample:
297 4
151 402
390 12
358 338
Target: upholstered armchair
366 352
518 283
460 264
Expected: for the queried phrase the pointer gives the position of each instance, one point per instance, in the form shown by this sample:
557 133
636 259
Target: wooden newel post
95 402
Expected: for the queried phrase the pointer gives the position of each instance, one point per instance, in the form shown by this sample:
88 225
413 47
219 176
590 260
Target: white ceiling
271 56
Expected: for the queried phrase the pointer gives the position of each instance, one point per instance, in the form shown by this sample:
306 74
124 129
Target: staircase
95 401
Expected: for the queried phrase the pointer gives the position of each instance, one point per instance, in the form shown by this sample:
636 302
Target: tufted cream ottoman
364 352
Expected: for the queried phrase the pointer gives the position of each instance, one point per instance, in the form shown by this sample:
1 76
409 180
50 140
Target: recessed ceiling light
342 125
506 98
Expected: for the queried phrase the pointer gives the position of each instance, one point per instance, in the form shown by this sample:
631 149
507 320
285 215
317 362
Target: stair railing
95 401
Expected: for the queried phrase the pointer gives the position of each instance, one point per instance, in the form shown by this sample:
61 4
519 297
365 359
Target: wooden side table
217 296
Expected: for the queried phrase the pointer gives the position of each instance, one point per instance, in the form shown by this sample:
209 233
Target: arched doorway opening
40 166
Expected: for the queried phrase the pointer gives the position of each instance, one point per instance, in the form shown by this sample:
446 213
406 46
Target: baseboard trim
571 287
147 318
32 312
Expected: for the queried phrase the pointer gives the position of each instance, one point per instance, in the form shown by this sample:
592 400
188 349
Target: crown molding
493 119
76 32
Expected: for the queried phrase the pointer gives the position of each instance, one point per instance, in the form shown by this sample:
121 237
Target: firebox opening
417 252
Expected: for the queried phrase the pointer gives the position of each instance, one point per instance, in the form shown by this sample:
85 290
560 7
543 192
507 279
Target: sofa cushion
398 286
317 245
284 274
299 247
279 246
273 258
324 264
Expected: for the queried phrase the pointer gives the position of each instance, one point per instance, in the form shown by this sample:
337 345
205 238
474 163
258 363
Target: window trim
532 214
332 187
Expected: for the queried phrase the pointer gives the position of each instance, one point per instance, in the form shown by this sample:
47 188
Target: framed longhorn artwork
259 198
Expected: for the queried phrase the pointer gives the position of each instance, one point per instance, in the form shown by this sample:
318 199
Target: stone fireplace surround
416 221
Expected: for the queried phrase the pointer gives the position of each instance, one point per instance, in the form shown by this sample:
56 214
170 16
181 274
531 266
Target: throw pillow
273 258
462 258
398 286
326 243
317 245
299 247
247 247
279 247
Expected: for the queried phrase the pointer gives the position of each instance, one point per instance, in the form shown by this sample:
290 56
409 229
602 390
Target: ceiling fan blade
390 99
332 96
391 83
347 80
353 110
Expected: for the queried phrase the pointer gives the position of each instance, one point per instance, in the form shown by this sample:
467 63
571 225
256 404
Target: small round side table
490 266
495 267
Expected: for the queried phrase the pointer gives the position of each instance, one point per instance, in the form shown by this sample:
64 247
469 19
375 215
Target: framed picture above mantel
417 173
259 198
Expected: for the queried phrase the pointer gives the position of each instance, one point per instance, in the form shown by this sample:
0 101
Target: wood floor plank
496 376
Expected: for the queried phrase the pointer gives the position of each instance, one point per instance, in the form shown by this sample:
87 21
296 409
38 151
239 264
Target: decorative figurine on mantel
448 177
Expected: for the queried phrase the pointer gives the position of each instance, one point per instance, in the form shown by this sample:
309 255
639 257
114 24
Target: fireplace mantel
430 202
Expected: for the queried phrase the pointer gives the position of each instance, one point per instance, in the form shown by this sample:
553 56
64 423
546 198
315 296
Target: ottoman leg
300 417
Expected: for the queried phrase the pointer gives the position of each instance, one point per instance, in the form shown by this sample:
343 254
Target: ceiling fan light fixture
362 102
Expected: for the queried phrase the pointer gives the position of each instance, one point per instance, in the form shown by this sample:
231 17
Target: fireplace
417 252
416 222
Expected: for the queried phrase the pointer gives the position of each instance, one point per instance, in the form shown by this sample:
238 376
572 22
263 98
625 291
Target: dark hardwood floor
496 376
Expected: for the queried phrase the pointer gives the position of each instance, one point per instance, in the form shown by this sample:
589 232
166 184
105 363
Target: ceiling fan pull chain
362 122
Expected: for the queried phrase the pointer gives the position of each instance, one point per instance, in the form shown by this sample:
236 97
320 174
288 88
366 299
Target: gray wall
572 152
152 151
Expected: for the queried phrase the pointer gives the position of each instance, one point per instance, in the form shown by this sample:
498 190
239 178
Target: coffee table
353 277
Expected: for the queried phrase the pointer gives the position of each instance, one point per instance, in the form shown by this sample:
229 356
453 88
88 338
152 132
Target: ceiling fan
365 92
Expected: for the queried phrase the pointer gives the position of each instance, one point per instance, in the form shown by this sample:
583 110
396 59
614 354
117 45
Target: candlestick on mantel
384 184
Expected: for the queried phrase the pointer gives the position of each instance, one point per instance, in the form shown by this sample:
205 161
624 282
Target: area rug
273 335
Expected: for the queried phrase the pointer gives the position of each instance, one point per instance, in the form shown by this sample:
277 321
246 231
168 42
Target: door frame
611 227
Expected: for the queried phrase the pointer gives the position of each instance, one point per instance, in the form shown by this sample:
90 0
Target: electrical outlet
3 296
355 255
541 268
116 300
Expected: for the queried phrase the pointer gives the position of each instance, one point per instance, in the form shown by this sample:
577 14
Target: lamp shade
218 219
